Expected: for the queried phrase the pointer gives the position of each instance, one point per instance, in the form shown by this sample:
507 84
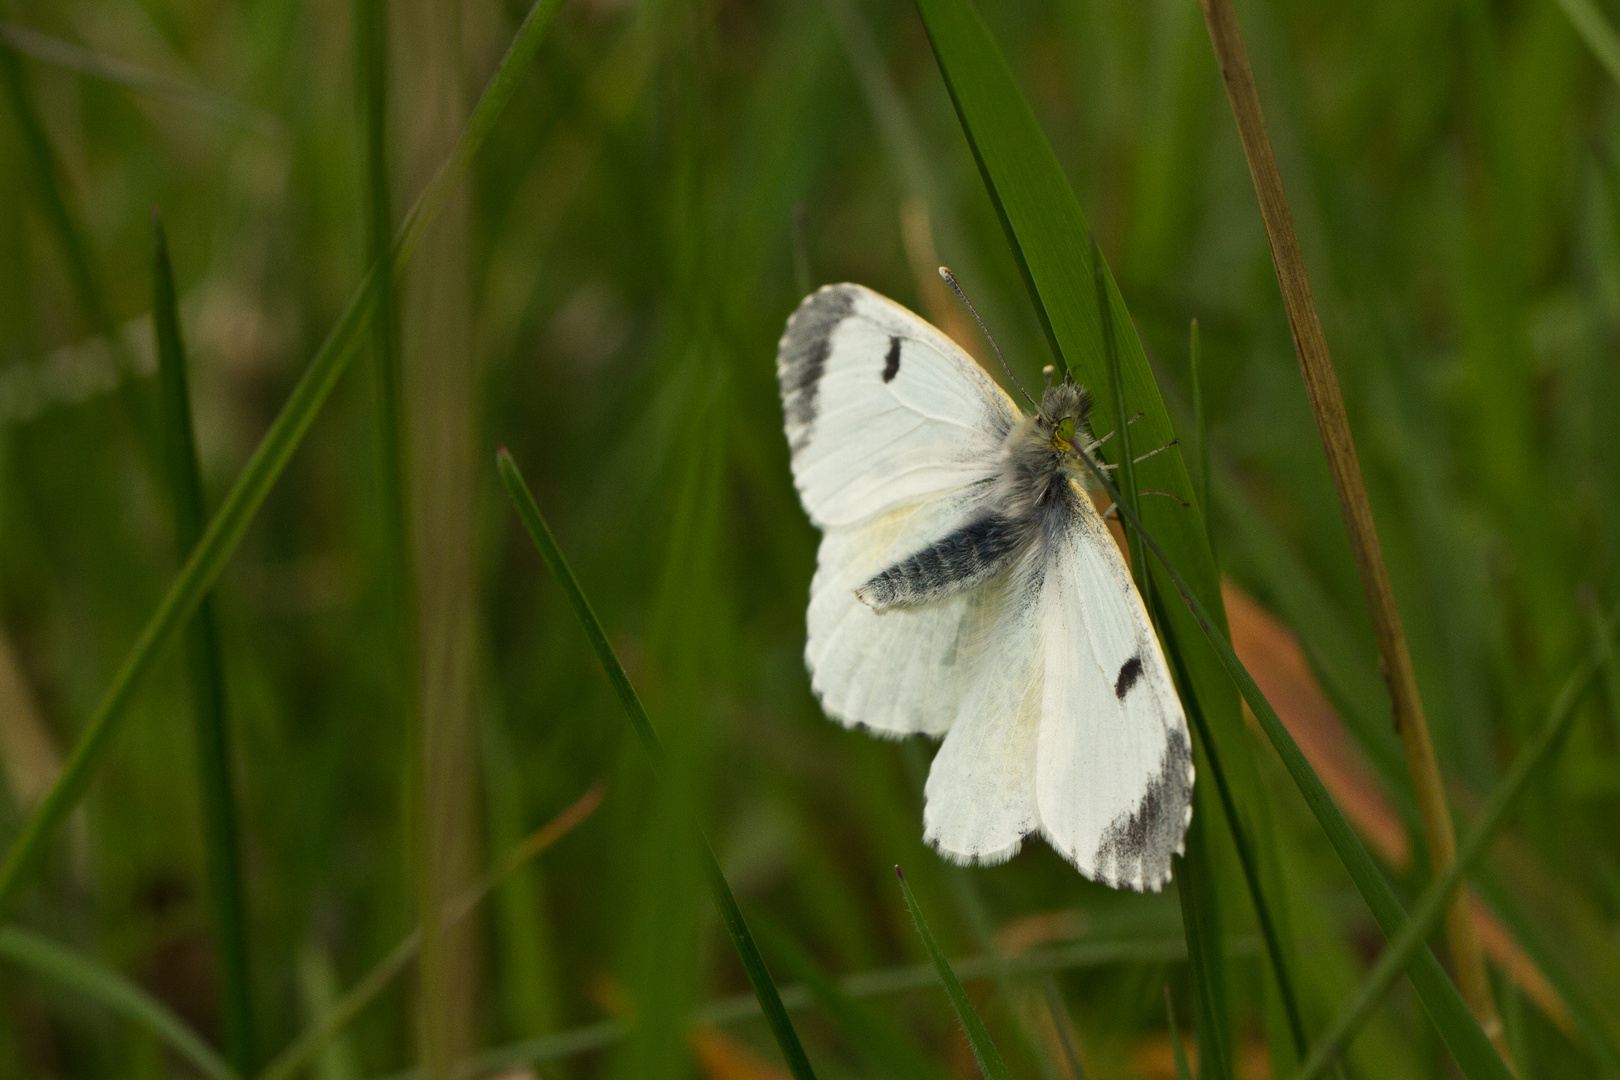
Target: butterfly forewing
882 410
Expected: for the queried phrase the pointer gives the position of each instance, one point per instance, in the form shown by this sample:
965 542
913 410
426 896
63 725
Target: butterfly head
1066 416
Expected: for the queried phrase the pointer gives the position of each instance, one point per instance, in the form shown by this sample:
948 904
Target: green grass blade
62 965
1468 1045
1090 331
1248 861
759 977
1429 909
46 174
111 69
1183 1072
371 56
1594 29
47 179
308 1046
882 1044
205 668
263 468
1063 1026
984 1050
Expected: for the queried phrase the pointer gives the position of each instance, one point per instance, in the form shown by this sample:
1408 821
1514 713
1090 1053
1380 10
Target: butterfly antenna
950 279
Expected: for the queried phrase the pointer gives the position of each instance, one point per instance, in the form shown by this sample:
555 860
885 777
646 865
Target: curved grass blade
59 964
984 1051
205 670
880 1042
1469 1047
47 177
759 976
1063 1027
1431 906
262 470
333 1020
1594 29
111 69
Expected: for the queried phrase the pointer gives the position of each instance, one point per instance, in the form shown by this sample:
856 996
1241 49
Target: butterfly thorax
1044 452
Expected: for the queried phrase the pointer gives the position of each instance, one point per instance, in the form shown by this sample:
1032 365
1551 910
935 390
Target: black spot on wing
1136 847
801 356
965 558
1129 672
891 363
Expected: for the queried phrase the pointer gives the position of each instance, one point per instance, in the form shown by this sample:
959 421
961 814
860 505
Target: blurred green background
603 297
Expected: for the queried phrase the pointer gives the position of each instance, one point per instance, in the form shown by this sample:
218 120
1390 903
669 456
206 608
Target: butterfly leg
1160 450
1112 507
1110 435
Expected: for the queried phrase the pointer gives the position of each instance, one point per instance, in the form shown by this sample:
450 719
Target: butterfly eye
1064 435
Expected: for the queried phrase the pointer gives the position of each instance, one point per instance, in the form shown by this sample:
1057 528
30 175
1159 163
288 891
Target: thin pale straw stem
1327 405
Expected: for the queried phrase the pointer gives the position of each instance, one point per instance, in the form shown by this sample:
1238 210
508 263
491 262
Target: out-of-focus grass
630 264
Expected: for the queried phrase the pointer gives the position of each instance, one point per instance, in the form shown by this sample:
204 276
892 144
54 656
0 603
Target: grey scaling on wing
802 356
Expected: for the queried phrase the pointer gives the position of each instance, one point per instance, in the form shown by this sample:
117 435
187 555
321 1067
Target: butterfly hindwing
1115 775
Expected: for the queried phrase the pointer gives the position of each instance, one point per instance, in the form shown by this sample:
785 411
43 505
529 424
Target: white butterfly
967 588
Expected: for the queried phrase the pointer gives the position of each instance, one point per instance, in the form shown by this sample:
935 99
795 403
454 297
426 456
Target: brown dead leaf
721 1057
1274 657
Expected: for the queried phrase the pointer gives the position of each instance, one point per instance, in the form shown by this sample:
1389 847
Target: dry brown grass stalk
1327 405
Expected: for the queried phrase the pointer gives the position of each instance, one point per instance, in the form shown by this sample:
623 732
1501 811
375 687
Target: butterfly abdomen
956 562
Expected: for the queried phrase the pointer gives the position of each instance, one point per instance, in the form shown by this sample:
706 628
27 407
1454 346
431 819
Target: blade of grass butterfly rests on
1431 906
984 1051
1469 1047
97 983
205 672
229 523
867 1031
1051 243
759 977
1183 1072
1246 858
1091 333
303 1050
